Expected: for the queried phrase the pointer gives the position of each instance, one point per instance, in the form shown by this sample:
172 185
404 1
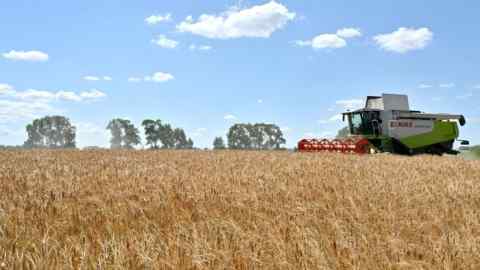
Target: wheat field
237 210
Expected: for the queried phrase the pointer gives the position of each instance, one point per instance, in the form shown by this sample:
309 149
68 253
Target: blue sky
204 65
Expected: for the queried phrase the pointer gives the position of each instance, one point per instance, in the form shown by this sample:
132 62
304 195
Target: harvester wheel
371 149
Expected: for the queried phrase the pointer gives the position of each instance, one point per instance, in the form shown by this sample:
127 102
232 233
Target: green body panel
381 142
387 145
442 132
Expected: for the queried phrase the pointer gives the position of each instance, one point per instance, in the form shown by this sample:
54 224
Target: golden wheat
237 210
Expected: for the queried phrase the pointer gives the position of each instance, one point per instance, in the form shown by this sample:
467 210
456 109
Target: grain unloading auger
387 124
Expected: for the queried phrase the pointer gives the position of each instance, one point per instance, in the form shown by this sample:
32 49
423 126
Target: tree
132 136
124 134
343 133
51 132
257 136
152 128
180 139
238 137
35 138
218 143
166 136
157 133
275 137
116 130
189 143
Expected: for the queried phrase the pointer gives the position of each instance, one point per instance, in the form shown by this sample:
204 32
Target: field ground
237 210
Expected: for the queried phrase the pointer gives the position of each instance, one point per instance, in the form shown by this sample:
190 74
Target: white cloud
350 104
32 94
260 101
134 79
425 86
33 56
155 19
92 94
165 42
330 41
324 41
68 96
447 85
159 77
5 89
405 39
47 96
35 103
16 110
349 32
204 48
194 47
97 78
91 78
259 21
229 117
322 122
477 86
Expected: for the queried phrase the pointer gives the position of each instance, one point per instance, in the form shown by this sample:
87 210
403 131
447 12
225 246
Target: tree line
58 132
255 136
159 135
50 132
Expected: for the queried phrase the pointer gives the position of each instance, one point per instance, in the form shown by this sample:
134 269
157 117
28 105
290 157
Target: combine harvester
387 124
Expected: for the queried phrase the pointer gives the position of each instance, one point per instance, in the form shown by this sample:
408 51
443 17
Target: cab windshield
356 124
361 123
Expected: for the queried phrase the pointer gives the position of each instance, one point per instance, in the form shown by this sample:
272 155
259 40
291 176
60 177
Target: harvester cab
364 122
386 124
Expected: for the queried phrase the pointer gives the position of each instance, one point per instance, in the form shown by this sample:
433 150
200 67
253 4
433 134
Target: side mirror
462 121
